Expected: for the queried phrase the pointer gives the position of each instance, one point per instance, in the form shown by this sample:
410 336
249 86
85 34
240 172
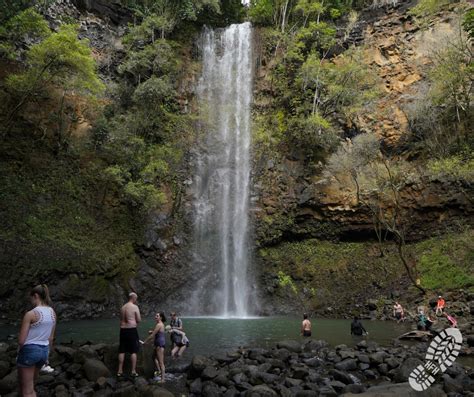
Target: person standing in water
129 340
306 326
35 339
357 328
398 312
158 335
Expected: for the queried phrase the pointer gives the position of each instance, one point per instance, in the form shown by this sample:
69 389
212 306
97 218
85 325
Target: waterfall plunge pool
208 334
213 334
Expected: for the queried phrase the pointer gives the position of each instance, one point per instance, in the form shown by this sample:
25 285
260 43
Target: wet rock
470 340
231 392
4 369
337 385
399 389
307 393
405 369
8 383
196 386
452 385
210 372
198 364
291 382
300 371
327 391
210 389
65 351
313 362
94 369
290 345
349 364
341 376
378 357
261 391
156 391
355 389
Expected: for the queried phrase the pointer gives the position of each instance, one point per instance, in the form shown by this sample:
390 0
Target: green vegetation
348 270
312 89
447 263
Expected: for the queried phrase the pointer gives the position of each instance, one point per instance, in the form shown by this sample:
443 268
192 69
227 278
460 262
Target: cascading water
222 178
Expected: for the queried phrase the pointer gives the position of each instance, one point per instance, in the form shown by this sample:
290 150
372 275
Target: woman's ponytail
47 298
43 292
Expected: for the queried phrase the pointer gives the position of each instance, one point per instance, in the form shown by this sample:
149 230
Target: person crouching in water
181 341
306 326
35 339
158 337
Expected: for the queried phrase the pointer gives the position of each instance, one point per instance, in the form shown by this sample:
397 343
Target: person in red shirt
440 306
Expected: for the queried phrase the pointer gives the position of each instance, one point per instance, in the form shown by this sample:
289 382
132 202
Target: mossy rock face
341 278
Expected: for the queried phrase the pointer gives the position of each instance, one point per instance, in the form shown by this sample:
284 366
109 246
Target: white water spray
222 178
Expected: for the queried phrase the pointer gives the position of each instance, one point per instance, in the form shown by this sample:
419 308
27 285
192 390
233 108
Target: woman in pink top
35 339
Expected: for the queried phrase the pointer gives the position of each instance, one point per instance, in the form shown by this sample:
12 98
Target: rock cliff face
296 202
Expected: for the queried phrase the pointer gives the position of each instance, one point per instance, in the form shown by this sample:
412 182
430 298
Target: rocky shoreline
290 368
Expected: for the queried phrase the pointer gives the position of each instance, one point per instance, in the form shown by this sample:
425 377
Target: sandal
134 375
119 375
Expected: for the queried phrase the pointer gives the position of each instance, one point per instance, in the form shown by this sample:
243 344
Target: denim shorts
32 356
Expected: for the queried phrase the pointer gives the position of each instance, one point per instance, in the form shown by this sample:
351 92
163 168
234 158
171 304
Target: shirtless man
398 312
129 340
306 326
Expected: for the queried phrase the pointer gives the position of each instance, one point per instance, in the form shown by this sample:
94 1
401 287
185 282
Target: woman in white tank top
35 339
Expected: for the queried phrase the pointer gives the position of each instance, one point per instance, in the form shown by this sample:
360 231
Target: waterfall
222 176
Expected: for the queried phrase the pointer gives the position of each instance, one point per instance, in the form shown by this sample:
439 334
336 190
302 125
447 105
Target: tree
27 24
379 183
61 60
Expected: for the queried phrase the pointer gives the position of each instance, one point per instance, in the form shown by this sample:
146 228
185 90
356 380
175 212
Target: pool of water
208 334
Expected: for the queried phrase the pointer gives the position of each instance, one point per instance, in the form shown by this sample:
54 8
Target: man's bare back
306 325
129 315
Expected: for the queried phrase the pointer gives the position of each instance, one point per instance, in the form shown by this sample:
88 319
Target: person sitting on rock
181 341
440 306
453 323
422 321
398 312
306 326
357 328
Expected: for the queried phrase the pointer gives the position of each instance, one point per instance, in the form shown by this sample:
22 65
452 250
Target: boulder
157 391
198 364
397 390
4 369
307 393
261 391
349 364
290 345
196 386
405 369
8 383
341 376
94 369
210 372
378 357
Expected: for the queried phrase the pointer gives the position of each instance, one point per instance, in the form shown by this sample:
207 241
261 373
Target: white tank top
40 331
